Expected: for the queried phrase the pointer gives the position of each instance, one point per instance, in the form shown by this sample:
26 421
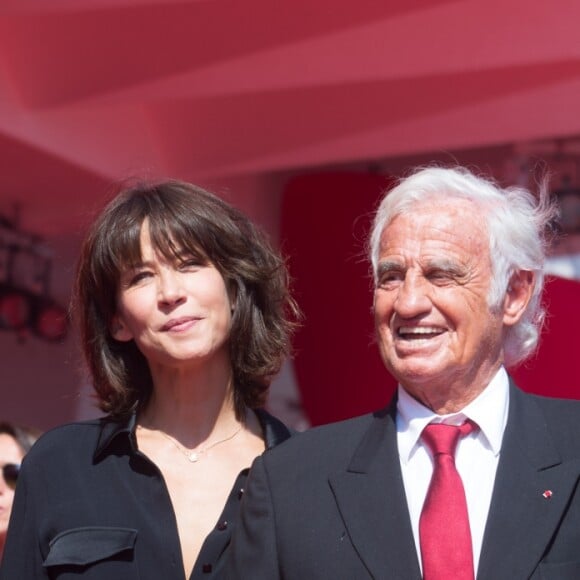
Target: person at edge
185 317
15 443
457 263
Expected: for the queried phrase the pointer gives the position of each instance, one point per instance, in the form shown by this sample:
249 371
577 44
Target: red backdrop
555 368
325 223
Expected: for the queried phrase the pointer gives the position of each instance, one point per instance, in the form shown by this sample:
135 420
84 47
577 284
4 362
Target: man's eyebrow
444 265
388 266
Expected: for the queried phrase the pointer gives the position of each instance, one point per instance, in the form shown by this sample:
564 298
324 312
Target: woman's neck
192 406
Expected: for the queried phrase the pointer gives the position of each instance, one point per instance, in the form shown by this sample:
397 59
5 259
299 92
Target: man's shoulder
560 409
325 443
337 428
561 417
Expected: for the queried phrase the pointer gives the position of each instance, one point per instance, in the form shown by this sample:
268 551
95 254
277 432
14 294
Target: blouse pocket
105 552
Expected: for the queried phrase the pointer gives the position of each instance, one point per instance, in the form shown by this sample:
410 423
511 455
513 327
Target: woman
15 442
184 318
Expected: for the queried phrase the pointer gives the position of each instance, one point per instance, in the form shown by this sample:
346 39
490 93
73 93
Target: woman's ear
119 331
517 296
232 295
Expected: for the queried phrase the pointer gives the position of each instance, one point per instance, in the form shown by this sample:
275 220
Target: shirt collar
113 429
274 432
489 410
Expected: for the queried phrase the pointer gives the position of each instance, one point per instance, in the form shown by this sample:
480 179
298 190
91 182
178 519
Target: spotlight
25 302
49 320
14 309
22 311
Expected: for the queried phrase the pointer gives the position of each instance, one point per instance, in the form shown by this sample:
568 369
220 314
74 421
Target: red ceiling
94 90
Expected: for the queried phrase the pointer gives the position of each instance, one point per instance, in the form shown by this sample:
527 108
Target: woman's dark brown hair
182 217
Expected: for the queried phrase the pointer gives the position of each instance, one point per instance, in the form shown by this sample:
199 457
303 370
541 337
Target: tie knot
443 438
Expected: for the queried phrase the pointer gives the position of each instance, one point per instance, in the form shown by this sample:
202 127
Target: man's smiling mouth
419 332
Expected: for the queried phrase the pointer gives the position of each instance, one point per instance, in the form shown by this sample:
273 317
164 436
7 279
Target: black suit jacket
330 502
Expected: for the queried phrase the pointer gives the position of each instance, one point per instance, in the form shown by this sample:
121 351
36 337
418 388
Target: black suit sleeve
253 551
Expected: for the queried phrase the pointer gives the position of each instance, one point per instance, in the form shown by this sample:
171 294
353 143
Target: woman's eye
138 277
191 263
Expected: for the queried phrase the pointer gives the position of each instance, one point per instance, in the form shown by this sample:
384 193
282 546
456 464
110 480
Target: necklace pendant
193 457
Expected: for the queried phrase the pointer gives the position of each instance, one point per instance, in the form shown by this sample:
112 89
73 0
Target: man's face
436 332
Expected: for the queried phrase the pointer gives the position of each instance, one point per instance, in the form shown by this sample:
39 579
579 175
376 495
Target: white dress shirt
476 457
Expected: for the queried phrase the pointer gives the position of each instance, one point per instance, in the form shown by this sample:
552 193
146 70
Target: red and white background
298 112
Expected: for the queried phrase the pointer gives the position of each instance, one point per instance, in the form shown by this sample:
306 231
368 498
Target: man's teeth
418 330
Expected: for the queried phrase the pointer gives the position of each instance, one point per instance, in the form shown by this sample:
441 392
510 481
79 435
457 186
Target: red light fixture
14 309
50 321
22 311
26 306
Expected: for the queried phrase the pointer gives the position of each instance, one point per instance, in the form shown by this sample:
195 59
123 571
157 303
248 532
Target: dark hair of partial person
24 436
182 218
518 227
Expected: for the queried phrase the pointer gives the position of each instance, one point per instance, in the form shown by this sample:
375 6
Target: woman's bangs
173 241
125 248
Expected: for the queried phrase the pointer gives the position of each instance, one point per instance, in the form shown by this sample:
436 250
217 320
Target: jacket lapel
522 519
372 502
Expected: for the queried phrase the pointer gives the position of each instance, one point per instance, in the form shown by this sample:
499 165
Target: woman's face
10 452
178 311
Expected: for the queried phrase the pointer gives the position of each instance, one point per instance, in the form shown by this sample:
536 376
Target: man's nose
412 297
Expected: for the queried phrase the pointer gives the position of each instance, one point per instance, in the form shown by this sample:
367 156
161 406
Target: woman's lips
180 324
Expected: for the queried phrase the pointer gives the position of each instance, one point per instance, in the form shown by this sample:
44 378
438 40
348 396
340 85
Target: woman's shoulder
69 438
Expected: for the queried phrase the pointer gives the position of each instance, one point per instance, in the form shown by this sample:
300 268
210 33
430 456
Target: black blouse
89 504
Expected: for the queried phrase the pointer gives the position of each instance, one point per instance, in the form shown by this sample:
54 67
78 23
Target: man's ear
119 331
517 296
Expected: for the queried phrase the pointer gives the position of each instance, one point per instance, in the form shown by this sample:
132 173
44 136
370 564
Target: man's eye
441 276
388 278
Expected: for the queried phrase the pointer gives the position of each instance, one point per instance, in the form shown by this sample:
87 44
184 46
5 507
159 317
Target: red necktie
444 531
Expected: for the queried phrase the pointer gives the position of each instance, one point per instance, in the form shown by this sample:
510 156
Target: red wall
555 368
325 223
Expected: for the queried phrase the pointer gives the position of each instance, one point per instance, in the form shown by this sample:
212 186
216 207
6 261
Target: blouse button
222 526
240 493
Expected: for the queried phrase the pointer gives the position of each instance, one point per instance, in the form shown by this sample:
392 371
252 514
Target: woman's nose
170 288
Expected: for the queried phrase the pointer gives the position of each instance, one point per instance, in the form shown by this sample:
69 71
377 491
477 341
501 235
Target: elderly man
463 475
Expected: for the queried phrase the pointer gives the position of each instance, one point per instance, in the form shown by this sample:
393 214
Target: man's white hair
516 223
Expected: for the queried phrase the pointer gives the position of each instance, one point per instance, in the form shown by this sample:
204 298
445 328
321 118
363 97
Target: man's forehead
432 245
433 219
442 206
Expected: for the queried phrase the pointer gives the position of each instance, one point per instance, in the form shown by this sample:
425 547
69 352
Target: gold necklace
195 455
